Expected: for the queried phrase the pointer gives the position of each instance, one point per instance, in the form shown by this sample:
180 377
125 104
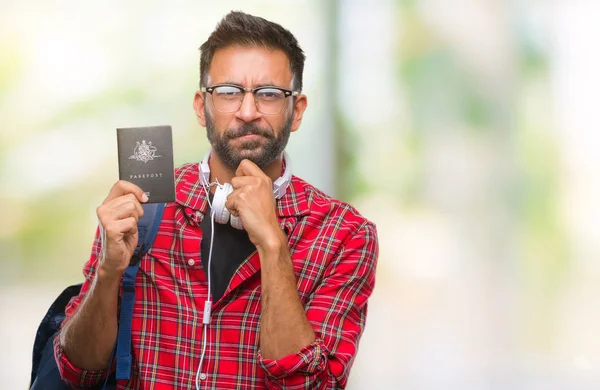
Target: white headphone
222 215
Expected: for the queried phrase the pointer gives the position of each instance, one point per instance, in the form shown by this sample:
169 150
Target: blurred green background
465 130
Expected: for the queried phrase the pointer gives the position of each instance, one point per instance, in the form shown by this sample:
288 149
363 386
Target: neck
224 174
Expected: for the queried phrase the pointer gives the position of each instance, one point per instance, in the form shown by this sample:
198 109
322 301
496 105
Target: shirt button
202 376
191 262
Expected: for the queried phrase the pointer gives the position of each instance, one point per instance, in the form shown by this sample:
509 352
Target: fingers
246 181
253 188
119 208
252 199
119 228
127 203
250 178
245 198
248 168
112 213
123 187
232 203
118 216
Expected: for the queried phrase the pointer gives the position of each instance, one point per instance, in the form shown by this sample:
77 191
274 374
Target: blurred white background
466 130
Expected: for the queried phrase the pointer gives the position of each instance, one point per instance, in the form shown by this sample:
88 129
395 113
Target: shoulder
341 217
188 186
186 173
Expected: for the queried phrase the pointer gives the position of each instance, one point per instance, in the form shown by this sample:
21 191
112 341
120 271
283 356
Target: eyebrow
268 84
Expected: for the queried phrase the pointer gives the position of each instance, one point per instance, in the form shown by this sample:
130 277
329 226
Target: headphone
222 215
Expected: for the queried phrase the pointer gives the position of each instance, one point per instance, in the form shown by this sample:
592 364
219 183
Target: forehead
250 66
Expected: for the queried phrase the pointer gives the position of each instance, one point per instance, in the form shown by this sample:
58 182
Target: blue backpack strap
147 229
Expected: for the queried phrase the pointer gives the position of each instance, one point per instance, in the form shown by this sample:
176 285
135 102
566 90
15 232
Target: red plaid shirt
334 252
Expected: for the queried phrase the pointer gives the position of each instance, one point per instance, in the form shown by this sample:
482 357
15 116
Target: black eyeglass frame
286 92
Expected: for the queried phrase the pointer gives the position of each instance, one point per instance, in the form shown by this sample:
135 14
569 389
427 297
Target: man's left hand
253 201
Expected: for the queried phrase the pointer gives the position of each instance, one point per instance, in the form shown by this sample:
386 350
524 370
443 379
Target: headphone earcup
236 222
218 204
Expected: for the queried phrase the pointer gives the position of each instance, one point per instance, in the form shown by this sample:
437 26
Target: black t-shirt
230 248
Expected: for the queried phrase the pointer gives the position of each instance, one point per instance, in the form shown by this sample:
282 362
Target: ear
300 103
199 108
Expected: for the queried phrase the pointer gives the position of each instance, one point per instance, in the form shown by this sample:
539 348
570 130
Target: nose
248 111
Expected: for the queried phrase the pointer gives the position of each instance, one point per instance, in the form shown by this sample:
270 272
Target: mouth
248 137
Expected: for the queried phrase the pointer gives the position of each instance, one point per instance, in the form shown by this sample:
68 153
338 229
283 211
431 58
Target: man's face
248 133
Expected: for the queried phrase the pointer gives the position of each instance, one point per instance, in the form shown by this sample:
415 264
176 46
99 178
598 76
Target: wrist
108 277
273 243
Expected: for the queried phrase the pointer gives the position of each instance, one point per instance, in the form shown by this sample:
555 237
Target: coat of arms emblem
144 152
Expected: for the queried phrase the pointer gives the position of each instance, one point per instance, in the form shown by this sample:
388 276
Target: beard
261 152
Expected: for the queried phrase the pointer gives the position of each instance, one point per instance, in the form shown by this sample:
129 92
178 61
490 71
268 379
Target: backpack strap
147 228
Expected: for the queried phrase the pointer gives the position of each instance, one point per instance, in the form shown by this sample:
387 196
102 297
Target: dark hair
239 28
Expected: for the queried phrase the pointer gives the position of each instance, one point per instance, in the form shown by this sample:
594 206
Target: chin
247 149
255 155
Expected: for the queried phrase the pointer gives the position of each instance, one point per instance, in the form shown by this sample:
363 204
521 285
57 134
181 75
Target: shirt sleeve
74 376
337 311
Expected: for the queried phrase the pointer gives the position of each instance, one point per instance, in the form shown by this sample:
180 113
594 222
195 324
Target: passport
146 160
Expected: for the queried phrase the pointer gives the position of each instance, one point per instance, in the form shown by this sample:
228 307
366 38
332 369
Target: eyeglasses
227 98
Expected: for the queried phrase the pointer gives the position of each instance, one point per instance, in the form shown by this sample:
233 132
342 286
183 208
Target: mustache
248 129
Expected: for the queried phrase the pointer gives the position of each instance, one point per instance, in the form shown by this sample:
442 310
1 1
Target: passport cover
146 160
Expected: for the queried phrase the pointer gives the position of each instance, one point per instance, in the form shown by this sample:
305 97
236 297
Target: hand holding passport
146 160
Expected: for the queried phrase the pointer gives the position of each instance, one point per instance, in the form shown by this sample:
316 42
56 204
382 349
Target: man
289 292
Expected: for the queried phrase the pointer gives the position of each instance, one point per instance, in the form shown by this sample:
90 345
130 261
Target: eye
269 94
227 91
